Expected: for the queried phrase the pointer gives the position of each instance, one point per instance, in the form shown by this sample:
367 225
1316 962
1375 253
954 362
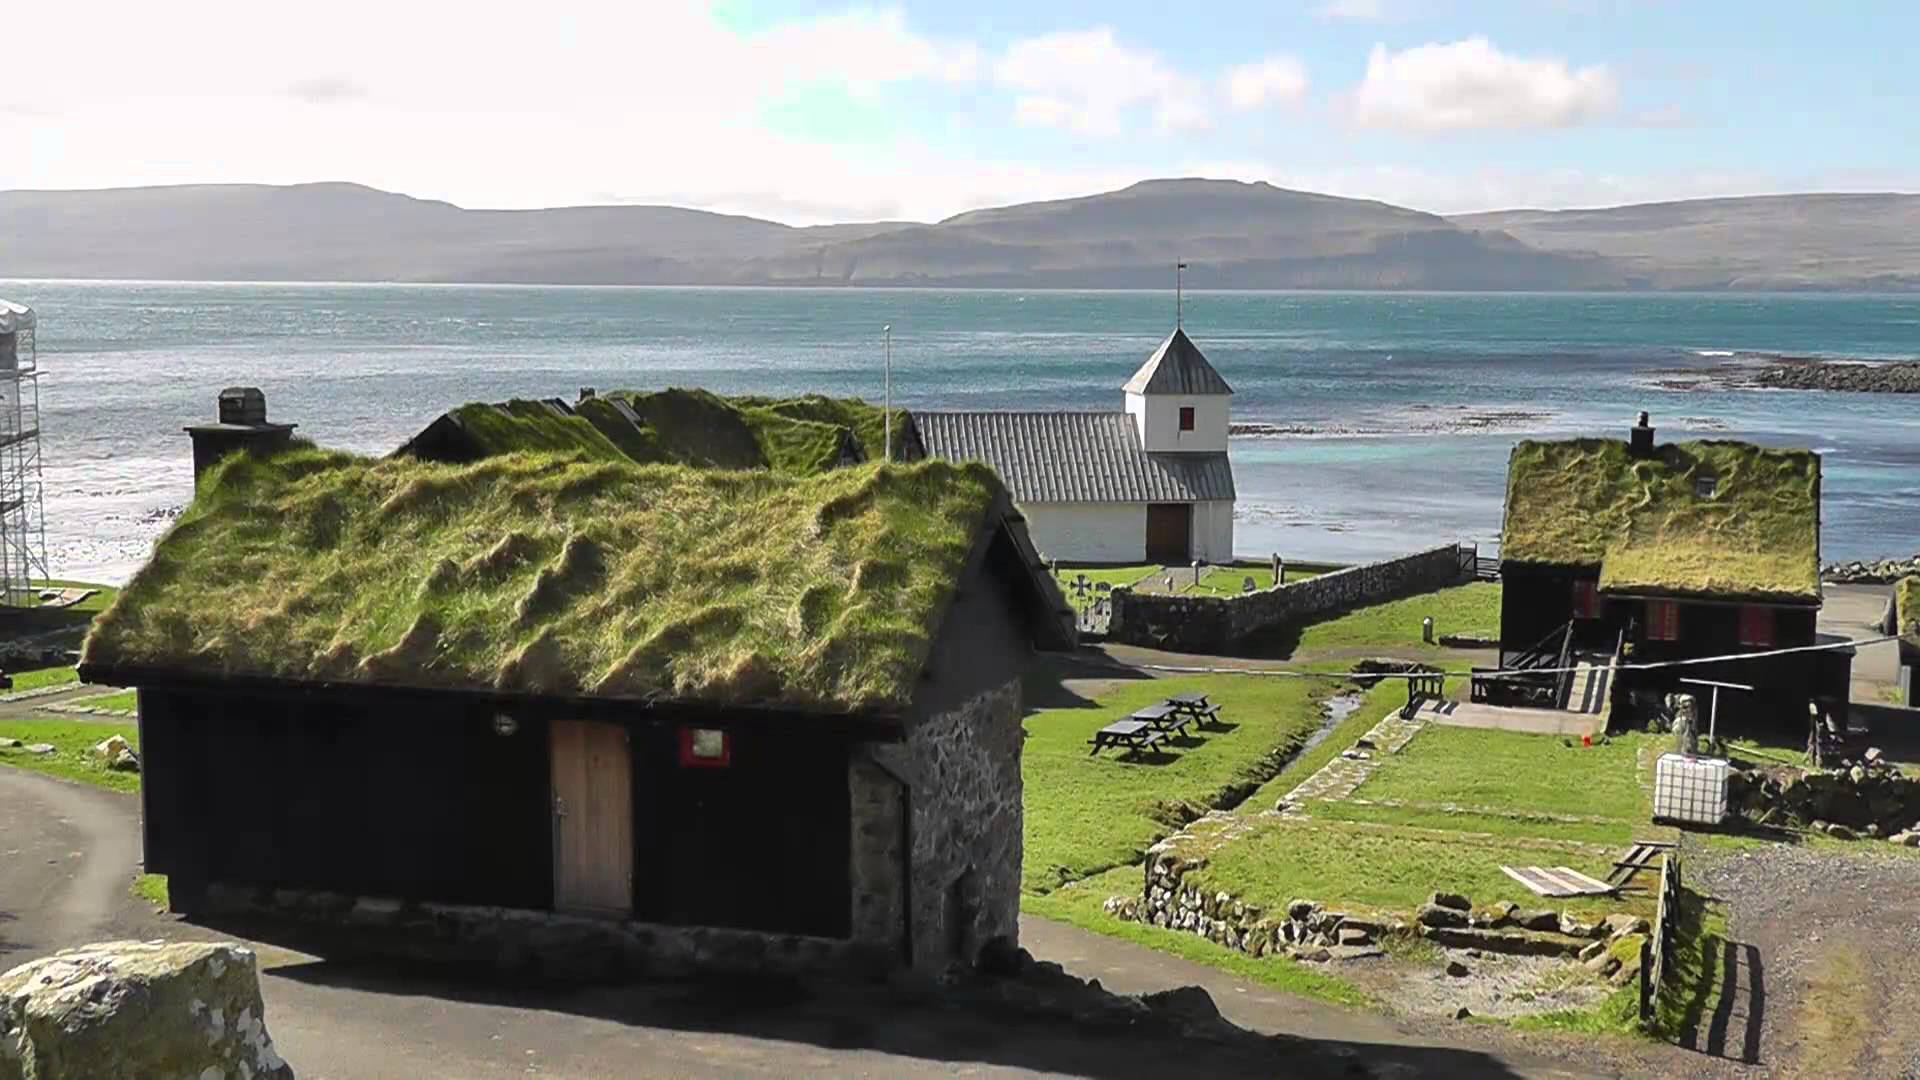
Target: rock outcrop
137 1009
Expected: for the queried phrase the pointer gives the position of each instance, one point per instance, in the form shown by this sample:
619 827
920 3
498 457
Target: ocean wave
1714 352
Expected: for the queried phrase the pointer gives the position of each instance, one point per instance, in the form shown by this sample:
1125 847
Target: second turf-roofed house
1650 552
545 711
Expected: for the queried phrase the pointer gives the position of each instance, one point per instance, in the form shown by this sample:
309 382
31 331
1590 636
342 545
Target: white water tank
1691 790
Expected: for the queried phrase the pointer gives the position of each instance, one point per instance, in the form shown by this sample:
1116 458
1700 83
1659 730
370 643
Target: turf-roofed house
1638 552
576 714
1150 482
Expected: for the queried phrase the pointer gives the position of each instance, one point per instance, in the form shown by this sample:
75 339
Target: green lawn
73 743
1085 814
1695 974
152 888
1274 860
1463 609
1540 774
41 678
124 701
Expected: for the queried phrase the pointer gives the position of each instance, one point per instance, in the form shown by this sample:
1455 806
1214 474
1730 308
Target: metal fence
1659 945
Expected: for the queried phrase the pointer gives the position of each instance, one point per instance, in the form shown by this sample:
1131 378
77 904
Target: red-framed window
1586 598
1756 625
1186 418
705 748
1663 620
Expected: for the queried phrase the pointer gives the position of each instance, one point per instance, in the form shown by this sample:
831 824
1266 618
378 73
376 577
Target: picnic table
1133 735
1193 706
1164 718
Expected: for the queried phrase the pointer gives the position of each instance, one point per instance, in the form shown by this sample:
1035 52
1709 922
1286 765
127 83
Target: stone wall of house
963 768
1204 624
878 868
542 945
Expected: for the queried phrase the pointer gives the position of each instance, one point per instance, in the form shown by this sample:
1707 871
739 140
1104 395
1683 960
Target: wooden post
1279 569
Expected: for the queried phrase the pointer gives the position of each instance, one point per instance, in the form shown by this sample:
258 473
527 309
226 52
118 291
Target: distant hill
1861 242
1235 235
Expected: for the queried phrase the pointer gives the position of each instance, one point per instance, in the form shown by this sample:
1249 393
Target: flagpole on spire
1178 297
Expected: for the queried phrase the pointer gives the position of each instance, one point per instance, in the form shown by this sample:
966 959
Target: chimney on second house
243 426
1640 438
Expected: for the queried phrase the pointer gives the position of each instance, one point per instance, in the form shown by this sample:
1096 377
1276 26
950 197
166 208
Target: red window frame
1663 620
1186 418
1757 625
689 759
1586 598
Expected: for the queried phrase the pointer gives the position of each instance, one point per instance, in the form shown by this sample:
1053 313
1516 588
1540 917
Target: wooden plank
1567 886
592 772
1539 887
1589 885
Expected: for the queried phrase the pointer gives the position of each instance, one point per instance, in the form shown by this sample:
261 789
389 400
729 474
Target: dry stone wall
1208 624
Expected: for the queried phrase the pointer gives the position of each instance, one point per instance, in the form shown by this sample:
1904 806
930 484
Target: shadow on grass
1718 986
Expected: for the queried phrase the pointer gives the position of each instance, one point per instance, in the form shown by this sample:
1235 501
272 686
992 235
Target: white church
1149 483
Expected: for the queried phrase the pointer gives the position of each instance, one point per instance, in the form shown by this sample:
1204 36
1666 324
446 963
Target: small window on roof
1706 485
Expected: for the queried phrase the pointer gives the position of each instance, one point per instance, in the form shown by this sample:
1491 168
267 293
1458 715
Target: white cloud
1086 81
1277 79
1357 10
1471 84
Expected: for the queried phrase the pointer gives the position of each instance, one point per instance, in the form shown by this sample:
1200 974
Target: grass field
1085 814
1464 609
124 701
73 744
41 678
1384 867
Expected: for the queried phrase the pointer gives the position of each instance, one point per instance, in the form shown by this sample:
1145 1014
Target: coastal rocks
129 1008
1852 376
1880 572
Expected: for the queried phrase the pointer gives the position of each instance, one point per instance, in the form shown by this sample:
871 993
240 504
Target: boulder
129 1008
1188 1003
1437 916
1536 920
1603 965
1458 970
1355 952
1622 924
1593 950
9 744
41 748
1574 926
1301 909
1354 935
1450 900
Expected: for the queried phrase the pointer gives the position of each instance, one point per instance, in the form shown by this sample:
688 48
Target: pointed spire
1177 367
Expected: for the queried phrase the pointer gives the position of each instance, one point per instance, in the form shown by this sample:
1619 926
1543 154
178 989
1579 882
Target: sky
811 112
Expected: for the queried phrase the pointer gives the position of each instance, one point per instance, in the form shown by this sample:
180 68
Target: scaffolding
23 533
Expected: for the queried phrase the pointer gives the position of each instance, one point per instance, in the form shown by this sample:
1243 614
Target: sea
1386 417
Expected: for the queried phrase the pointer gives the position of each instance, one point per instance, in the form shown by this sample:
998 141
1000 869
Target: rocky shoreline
1758 372
1881 572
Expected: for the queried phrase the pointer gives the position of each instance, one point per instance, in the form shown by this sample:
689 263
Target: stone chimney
243 426
1640 439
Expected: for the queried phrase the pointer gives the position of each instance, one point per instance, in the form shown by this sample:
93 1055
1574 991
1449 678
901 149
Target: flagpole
1178 295
887 407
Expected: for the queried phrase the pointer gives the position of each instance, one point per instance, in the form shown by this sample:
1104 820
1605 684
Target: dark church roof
1074 457
1177 367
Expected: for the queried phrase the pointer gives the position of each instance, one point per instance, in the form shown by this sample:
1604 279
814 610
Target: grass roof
1906 609
687 427
532 425
867 421
1720 518
557 574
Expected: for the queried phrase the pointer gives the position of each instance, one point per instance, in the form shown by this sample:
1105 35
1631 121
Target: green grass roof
1906 609
557 574
1648 526
868 422
688 427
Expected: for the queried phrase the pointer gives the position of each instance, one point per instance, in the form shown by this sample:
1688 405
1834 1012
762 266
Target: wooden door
1169 528
592 817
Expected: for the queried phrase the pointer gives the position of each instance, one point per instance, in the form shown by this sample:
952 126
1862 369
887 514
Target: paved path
1855 611
1508 718
68 854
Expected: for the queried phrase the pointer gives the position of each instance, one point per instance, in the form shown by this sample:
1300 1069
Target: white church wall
1213 530
1157 418
1089 532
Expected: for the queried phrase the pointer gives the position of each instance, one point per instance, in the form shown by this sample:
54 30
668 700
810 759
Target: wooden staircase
1590 686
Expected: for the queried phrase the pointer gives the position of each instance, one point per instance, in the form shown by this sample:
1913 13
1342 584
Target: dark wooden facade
1537 601
450 797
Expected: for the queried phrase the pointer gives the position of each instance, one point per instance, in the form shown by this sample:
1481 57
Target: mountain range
1234 235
